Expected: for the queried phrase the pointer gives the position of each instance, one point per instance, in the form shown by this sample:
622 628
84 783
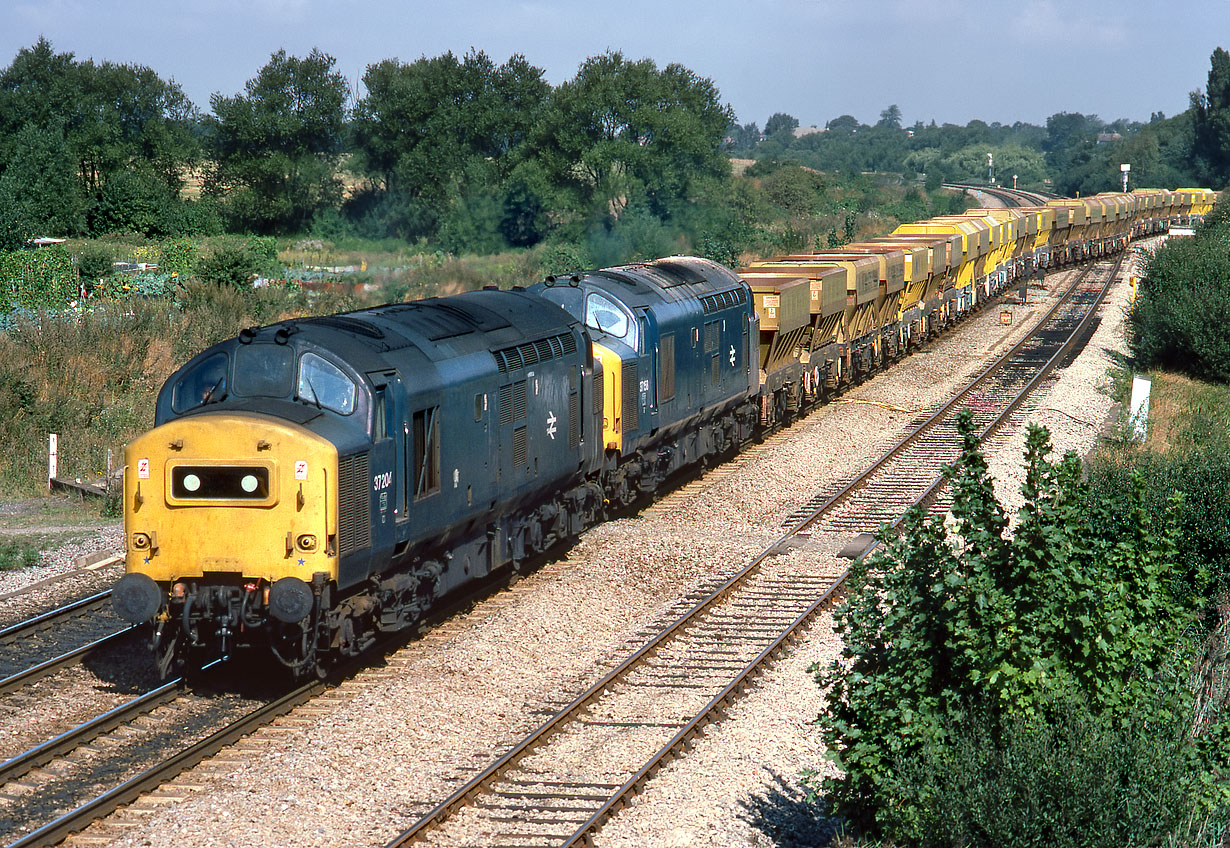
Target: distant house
1106 138
799 132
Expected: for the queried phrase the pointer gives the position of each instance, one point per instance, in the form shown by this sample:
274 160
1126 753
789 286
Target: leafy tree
622 131
275 149
133 115
890 118
1069 145
40 88
843 124
39 190
969 164
742 139
436 130
235 262
1211 123
947 623
110 116
780 122
798 191
1181 305
136 200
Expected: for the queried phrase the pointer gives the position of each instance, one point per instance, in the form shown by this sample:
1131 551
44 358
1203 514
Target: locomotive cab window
323 383
380 428
205 383
264 370
426 452
603 314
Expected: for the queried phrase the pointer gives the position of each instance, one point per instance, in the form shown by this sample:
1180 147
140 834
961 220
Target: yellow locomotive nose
238 497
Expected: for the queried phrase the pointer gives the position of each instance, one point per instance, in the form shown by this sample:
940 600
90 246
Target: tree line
469 155
458 150
1072 154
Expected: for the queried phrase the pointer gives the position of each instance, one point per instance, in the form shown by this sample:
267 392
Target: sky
944 60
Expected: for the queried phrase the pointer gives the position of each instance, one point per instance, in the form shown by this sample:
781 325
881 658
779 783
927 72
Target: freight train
312 484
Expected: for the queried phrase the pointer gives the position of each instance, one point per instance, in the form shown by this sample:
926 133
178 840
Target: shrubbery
964 647
1183 304
237 262
35 279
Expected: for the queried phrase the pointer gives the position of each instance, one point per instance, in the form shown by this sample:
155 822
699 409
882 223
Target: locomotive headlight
140 541
306 542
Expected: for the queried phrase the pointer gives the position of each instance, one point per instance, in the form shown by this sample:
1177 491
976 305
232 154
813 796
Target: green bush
195 218
940 621
1074 779
17 553
636 236
95 263
37 279
472 225
180 255
236 262
559 258
134 200
1197 472
1183 306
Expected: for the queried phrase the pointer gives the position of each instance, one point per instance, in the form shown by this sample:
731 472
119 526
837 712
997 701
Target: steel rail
15 631
153 777
69 658
75 820
937 417
677 744
43 753
940 481
510 759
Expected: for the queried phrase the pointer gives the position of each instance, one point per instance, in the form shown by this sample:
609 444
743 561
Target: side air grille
631 408
598 380
354 531
518 399
520 450
666 368
574 434
512 402
723 300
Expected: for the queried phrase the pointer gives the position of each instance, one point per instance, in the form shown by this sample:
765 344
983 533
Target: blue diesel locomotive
313 483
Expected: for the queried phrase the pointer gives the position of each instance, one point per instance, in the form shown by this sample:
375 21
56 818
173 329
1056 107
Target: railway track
657 702
1008 196
563 781
61 785
57 639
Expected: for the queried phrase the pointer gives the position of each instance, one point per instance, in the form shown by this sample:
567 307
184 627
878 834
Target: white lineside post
53 460
1139 417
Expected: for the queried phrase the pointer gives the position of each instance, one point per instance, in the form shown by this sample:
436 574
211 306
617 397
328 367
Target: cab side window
380 425
426 452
